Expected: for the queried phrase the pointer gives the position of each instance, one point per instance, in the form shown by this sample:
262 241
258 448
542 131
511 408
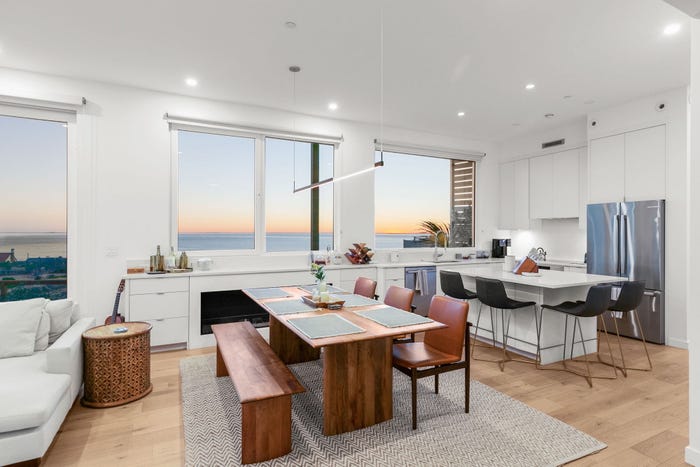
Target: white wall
123 183
642 113
692 453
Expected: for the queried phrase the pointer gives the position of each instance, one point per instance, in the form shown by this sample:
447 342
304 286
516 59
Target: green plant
441 230
318 272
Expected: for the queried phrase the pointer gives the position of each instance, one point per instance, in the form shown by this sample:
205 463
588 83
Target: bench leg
266 429
221 369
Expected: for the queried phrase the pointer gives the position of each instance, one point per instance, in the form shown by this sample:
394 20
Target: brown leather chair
401 298
441 350
365 287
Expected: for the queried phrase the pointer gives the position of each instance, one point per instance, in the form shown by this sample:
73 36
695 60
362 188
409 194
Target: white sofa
37 391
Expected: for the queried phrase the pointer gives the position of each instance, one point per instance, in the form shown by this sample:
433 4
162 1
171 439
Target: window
303 220
216 191
415 196
33 232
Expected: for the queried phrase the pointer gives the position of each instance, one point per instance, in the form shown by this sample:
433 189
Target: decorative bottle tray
334 303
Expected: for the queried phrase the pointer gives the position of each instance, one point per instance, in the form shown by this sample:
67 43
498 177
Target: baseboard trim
680 343
692 455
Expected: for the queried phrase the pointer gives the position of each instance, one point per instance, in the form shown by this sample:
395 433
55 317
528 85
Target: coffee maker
499 247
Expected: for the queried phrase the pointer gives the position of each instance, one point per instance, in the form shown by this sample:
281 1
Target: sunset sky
33 175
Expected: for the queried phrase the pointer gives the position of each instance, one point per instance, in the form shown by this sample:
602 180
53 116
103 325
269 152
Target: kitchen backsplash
561 238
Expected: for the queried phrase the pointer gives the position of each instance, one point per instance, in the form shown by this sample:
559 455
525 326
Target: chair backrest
452 285
491 292
597 300
453 313
631 296
365 287
399 297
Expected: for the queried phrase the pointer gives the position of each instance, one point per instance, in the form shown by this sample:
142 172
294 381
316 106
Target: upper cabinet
628 167
554 185
513 210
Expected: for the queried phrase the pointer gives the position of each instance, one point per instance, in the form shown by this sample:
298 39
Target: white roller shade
429 151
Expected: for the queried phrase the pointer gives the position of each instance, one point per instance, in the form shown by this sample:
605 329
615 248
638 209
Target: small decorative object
321 288
170 260
160 259
184 261
359 254
120 330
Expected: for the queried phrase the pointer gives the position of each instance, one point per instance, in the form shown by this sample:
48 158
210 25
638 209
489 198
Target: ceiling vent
551 144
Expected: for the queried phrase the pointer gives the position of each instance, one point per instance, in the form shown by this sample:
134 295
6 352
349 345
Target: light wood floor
643 419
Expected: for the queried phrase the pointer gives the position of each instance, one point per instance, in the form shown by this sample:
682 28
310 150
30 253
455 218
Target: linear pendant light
380 162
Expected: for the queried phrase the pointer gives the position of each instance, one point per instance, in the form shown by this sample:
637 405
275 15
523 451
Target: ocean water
278 241
34 245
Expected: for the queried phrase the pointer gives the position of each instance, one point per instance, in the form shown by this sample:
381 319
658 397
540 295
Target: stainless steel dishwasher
426 286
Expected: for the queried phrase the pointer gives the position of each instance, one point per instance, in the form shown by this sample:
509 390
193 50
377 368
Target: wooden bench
264 385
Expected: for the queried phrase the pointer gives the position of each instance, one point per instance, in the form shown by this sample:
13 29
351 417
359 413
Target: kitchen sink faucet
437 255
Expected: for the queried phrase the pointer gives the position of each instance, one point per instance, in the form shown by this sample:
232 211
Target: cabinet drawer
393 273
158 306
159 284
168 331
352 274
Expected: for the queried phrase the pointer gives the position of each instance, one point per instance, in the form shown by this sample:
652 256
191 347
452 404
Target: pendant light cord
381 79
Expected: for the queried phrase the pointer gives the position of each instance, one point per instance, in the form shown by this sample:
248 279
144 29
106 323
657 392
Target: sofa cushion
31 399
60 312
41 341
19 322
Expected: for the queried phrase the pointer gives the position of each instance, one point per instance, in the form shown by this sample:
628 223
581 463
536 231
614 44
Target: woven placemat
288 307
269 292
331 289
391 317
352 300
316 327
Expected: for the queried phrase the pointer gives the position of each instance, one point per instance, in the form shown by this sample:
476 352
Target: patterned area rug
498 431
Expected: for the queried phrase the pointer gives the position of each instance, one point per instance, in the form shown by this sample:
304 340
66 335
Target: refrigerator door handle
653 296
623 234
617 247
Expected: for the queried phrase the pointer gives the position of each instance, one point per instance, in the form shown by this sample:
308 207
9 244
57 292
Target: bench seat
264 386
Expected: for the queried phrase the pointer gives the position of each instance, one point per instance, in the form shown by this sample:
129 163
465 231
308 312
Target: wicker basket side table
117 368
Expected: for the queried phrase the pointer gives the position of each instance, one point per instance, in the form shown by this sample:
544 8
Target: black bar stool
631 296
452 285
596 304
492 293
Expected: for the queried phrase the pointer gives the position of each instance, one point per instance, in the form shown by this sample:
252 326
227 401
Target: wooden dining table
357 368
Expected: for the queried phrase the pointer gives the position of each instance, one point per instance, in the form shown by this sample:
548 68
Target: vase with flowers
321 290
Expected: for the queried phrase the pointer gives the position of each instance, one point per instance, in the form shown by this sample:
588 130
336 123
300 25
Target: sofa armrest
65 356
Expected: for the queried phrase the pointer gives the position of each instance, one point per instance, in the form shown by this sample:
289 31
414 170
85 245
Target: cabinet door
521 188
541 187
582 187
606 179
565 177
645 164
507 196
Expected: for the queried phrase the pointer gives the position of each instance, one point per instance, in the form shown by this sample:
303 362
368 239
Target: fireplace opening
230 306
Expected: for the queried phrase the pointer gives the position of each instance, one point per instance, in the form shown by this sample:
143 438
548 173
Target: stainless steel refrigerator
627 240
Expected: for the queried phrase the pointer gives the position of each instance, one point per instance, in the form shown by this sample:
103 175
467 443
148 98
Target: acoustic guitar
115 317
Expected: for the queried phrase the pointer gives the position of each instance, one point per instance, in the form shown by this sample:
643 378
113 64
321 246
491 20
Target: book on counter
527 264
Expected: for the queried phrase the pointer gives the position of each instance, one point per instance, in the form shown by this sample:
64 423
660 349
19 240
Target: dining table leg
289 347
357 385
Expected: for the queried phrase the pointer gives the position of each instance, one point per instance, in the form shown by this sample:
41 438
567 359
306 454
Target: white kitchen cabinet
514 195
349 276
164 303
628 167
554 185
645 164
606 169
541 187
583 187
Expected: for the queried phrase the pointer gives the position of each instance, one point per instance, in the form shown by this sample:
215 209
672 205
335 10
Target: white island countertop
548 279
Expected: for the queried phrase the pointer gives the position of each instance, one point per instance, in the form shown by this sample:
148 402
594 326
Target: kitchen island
551 287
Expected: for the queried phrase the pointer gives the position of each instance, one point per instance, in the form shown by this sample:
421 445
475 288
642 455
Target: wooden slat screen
463 179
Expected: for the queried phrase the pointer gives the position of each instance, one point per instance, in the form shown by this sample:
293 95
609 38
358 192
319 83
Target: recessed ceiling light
672 29
290 24
589 102
191 82
515 124
529 86
333 106
549 115
568 96
460 114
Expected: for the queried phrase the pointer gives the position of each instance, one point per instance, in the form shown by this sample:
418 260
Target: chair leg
466 388
589 375
437 379
566 332
493 328
476 329
589 379
502 363
476 332
644 342
623 368
414 401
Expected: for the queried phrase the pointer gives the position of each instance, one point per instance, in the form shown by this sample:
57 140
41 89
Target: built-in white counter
551 287
172 302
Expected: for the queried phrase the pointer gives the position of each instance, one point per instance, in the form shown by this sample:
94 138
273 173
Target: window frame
259 224
427 153
70 119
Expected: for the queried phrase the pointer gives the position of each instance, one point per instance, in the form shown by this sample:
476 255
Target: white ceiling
439 57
